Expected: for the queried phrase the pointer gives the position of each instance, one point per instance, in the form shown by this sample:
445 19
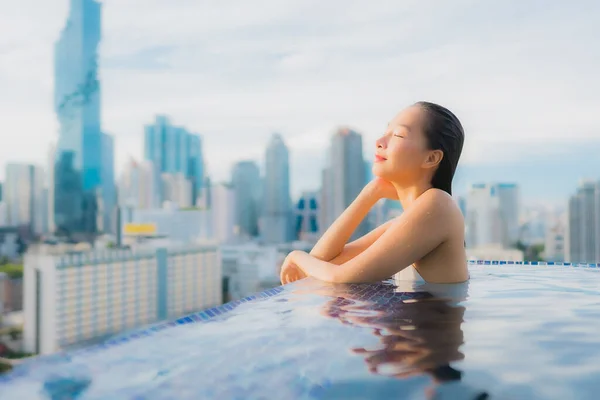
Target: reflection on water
419 332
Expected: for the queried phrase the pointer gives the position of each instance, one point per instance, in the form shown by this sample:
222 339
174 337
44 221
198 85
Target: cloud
521 75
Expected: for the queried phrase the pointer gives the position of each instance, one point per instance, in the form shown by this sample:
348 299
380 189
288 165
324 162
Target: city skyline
243 84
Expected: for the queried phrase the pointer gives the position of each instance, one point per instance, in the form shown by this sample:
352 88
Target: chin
379 171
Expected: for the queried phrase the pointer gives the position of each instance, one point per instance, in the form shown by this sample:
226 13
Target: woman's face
402 152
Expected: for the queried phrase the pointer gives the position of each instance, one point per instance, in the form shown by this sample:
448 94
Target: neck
407 194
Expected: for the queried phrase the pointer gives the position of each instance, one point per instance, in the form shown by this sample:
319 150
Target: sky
521 75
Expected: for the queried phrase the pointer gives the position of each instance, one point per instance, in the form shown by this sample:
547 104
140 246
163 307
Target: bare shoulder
435 206
436 199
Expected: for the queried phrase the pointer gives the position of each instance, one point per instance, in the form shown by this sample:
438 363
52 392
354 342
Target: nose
381 143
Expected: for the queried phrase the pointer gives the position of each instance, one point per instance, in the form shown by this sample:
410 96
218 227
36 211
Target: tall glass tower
174 150
83 172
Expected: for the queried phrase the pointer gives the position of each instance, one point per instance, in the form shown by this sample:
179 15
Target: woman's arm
413 235
359 245
332 245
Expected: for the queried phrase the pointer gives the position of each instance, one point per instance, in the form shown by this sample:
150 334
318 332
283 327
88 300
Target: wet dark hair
444 132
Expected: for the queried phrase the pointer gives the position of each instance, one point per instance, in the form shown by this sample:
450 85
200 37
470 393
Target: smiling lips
378 158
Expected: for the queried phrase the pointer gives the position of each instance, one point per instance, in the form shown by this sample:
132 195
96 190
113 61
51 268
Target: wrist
371 193
293 255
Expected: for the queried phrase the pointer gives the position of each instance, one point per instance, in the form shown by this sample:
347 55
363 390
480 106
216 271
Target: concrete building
583 237
10 242
3 278
3 214
275 221
494 252
247 185
554 247
244 267
223 209
13 294
343 178
24 196
492 215
178 189
140 186
176 224
70 299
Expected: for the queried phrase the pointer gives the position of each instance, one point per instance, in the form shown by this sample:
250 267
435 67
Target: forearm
331 244
312 266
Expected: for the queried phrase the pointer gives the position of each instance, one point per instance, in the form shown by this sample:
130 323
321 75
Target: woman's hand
382 189
290 272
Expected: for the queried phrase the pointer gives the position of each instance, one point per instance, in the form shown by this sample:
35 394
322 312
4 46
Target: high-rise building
174 150
108 189
583 237
247 185
508 194
344 177
50 188
222 205
177 189
275 224
3 214
306 226
140 186
492 215
83 153
24 194
69 299
325 201
554 246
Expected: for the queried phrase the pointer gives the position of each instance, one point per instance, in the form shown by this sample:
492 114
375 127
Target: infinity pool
514 332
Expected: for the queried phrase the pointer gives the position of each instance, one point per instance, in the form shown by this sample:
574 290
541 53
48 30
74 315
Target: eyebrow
402 125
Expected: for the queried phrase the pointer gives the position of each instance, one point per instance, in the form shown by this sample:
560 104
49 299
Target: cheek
404 152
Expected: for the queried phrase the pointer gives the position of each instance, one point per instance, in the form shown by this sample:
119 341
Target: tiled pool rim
206 315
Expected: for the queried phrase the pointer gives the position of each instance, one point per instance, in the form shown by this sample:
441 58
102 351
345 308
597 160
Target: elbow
342 274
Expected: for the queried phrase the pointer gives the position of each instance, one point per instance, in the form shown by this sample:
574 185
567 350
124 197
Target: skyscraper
344 177
174 150
583 236
81 168
140 186
492 215
246 184
223 212
177 189
24 196
276 212
306 225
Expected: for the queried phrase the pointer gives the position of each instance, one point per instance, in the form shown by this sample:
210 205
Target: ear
434 158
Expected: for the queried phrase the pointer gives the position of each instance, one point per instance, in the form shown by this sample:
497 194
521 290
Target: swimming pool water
514 332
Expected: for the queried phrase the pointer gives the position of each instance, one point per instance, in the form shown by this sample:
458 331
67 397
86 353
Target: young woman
415 161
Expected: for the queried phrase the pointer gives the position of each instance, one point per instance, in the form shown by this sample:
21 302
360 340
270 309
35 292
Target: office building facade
71 299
